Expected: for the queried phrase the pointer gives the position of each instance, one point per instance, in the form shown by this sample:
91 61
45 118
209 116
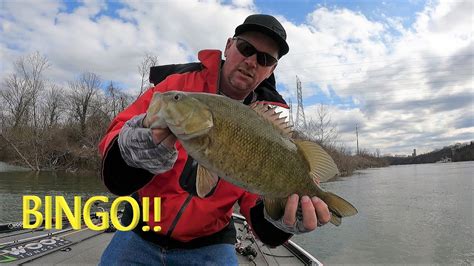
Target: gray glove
295 229
138 149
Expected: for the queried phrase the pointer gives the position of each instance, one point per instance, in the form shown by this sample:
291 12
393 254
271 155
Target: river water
407 214
412 214
17 182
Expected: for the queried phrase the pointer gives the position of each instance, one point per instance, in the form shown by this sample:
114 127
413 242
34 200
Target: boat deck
85 246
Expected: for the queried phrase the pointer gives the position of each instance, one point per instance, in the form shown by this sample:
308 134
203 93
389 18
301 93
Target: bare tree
21 88
20 92
148 61
83 98
32 70
52 106
116 100
3 118
17 99
322 129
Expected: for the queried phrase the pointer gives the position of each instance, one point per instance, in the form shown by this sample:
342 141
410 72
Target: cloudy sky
402 71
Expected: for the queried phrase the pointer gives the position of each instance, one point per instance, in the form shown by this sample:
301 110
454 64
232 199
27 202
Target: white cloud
86 40
244 3
412 85
408 85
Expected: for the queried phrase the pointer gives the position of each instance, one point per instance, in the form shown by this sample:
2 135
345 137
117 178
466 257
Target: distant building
414 153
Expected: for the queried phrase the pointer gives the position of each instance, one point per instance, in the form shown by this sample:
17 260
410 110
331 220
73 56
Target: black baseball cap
267 25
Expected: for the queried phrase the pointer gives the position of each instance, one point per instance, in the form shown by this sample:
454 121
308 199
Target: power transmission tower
300 119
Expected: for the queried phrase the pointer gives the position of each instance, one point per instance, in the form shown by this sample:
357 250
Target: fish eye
177 97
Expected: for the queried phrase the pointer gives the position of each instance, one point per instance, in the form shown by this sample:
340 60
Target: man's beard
239 83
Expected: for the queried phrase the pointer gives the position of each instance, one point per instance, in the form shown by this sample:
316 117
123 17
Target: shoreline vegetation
60 150
48 127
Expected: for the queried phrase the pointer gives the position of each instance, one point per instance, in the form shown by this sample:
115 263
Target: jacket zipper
178 215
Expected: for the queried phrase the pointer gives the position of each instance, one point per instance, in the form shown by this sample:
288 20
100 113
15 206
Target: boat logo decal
26 250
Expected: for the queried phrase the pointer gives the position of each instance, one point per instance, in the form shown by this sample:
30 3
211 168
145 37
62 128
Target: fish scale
256 150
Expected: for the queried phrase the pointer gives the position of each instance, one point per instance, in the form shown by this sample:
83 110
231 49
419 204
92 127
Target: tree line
50 126
455 153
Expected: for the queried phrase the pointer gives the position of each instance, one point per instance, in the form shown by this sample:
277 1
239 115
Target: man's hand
150 149
159 135
314 213
163 136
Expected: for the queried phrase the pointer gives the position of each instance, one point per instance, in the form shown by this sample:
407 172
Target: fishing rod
15 226
29 239
92 216
61 236
21 232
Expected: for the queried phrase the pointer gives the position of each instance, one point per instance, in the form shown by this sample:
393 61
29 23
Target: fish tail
338 207
322 168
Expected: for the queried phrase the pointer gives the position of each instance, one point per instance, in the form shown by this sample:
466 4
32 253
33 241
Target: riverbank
65 148
48 155
87 159
348 164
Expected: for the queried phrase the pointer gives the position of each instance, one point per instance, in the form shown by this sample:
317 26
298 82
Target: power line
371 72
408 86
390 101
395 61
426 103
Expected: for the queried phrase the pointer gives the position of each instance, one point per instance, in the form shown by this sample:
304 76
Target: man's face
240 74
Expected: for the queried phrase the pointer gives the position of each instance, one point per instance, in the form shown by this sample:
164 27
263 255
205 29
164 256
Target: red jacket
184 216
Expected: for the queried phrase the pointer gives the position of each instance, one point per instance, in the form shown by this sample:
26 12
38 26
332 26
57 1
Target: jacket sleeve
251 207
117 176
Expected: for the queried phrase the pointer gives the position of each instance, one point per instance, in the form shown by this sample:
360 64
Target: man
150 163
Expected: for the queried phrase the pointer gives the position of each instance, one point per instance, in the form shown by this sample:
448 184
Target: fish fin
338 206
269 113
335 220
321 165
205 181
274 207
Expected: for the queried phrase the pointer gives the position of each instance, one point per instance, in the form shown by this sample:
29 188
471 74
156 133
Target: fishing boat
444 160
85 246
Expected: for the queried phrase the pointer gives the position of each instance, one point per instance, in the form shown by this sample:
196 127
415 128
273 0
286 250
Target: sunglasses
247 49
